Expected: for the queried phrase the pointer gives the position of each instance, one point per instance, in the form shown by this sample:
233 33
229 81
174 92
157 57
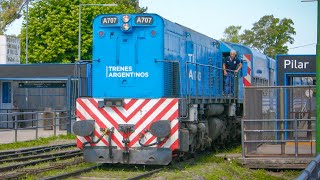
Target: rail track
73 173
87 169
43 156
33 151
146 174
57 156
53 166
13 163
34 156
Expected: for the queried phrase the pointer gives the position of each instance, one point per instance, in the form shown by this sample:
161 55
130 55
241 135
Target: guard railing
22 126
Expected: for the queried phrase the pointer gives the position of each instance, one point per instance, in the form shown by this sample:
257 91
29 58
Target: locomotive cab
125 50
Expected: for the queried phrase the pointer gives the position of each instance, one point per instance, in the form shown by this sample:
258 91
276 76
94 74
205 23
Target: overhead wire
303 46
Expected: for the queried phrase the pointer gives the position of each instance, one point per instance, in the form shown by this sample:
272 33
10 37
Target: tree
232 34
270 35
10 10
53 28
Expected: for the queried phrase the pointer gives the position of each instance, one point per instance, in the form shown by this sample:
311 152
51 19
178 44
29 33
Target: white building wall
3 49
9 50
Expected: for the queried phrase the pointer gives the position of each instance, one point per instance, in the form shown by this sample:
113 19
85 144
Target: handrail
39 122
312 171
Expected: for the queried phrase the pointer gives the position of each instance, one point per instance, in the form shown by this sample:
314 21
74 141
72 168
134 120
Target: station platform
272 163
287 149
279 163
8 135
269 156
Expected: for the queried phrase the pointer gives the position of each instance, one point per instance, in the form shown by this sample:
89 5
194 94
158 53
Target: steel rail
146 174
12 167
37 150
24 172
38 156
73 173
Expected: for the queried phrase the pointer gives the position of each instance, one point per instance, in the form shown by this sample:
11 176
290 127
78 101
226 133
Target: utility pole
137 5
27 40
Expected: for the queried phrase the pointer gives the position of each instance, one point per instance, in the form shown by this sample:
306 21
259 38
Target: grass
234 150
56 171
213 167
38 142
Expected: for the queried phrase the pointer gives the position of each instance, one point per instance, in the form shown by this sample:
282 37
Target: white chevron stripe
134 120
102 119
170 112
244 58
82 139
172 139
86 114
248 77
168 143
133 107
145 110
150 118
97 127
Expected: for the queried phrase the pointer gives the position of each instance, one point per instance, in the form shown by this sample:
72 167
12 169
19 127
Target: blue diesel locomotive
157 92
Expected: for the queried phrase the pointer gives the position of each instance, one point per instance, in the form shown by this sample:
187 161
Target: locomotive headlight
125 18
113 102
125 27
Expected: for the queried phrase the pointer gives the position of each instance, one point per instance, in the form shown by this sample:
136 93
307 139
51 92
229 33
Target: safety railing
278 137
24 126
279 121
312 171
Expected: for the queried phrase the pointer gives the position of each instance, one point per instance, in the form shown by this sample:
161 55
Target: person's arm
224 69
239 67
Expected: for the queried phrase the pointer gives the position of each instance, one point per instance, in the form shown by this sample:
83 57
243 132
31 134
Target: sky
212 17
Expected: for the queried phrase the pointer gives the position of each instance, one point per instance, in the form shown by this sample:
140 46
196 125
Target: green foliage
269 35
9 11
53 28
231 34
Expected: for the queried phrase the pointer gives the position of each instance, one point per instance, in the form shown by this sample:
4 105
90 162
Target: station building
41 87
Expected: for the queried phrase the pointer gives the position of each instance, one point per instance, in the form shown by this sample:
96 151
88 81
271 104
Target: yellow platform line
301 143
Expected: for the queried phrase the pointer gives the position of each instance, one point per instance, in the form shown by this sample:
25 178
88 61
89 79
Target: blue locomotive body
157 91
153 58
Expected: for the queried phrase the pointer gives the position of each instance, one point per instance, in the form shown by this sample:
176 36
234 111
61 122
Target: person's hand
236 71
225 73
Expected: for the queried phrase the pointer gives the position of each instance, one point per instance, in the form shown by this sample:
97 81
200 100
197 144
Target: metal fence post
296 137
69 103
281 124
37 125
15 129
54 123
242 138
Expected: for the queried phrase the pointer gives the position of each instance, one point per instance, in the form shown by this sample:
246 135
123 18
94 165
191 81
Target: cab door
6 103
